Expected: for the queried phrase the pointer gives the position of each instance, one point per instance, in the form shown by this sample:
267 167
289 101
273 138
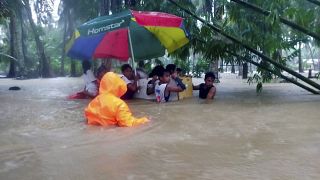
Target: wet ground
241 135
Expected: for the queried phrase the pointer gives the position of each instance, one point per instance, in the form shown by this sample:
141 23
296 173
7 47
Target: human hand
136 77
141 121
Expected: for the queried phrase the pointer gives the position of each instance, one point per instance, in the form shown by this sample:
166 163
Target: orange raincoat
107 108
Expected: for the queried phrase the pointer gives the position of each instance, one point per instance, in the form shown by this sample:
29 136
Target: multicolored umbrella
136 34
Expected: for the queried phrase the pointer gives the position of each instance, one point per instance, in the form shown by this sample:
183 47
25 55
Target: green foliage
256 78
184 65
201 67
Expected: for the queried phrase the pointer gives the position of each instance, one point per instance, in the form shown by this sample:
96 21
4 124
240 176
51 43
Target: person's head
141 64
179 71
126 70
86 65
171 68
164 76
156 71
209 78
101 71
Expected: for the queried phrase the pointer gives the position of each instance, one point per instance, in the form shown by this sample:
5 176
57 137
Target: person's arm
150 87
133 86
125 119
195 87
211 93
180 83
174 89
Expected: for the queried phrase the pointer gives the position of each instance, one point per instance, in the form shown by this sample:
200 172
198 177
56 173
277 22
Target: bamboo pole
275 73
315 2
270 70
262 56
283 20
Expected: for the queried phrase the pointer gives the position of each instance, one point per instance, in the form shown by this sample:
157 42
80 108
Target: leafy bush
201 67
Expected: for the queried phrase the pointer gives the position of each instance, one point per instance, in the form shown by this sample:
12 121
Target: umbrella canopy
149 33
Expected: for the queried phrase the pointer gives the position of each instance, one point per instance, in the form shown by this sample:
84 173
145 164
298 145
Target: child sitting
90 88
154 75
131 80
207 90
162 89
91 83
101 71
175 81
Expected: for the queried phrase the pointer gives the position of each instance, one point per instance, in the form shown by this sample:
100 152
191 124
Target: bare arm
150 87
125 118
174 89
133 86
195 87
211 93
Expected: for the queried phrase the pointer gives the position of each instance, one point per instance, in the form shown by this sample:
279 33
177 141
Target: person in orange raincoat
107 108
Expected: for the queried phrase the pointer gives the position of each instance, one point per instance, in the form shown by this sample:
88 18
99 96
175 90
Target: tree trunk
193 61
221 66
244 70
133 3
70 30
215 65
233 70
312 57
104 7
63 55
300 60
240 68
73 68
126 3
44 64
20 62
115 6
23 43
13 50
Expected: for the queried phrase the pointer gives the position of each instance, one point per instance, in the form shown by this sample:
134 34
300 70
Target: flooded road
241 135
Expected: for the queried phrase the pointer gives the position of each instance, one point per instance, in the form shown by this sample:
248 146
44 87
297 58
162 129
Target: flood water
241 135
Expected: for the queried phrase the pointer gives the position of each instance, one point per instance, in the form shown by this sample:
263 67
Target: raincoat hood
113 84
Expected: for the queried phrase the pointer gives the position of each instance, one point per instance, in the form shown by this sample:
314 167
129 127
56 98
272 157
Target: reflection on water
240 135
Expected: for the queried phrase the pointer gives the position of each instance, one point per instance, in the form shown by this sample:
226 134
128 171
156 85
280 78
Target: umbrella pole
132 54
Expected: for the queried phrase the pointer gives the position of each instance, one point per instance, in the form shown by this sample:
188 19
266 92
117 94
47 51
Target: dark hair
210 74
162 72
171 68
156 70
125 66
86 65
141 64
179 70
101 69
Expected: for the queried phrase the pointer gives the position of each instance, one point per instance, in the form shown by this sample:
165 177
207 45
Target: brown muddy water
241 135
